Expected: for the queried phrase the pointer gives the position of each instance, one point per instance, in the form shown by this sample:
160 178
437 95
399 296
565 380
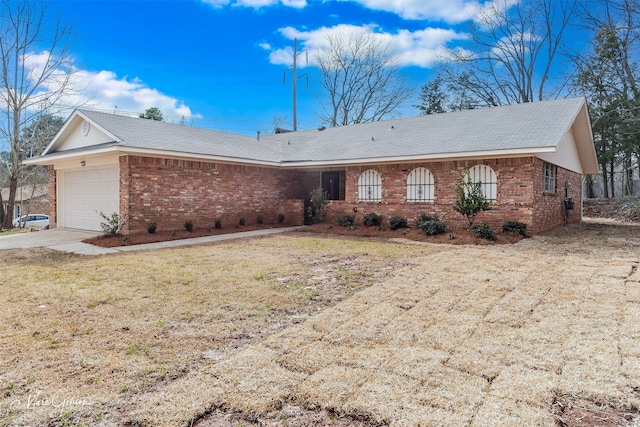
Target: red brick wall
550 206
170 192
519 187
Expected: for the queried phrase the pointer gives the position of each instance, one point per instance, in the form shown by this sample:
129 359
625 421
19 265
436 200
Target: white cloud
422 48
256 4
102 90
217 3
451 11
107 91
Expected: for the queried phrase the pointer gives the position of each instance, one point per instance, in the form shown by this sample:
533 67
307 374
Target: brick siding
519 189
170 192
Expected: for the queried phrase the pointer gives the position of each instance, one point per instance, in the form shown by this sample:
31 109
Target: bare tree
513 51
361 76
35 73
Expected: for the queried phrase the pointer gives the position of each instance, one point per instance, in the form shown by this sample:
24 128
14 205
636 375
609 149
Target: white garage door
85 193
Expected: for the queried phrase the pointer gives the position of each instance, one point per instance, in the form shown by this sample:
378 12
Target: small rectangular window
548 178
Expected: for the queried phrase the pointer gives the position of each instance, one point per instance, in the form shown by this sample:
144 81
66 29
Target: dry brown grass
89 339
446 335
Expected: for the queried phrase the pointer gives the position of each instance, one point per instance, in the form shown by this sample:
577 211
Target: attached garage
82 194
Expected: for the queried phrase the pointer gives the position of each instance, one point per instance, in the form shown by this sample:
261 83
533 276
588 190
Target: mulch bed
163 236
455 237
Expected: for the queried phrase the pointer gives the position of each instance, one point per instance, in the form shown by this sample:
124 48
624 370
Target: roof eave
53 158
421 158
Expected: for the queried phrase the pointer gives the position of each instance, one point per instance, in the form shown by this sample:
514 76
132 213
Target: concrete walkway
71 241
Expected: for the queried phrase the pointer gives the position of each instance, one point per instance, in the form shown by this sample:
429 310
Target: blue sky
220 63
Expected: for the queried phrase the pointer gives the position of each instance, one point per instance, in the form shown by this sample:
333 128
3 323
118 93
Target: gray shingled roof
144 133
532 126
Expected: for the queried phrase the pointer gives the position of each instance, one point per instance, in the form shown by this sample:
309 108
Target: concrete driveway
65 240
44 238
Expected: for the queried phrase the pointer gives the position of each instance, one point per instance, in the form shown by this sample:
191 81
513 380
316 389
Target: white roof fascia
421 158
124 150
53 158
194 156
68 122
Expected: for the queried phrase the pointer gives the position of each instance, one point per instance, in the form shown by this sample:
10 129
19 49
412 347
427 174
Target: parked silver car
32 220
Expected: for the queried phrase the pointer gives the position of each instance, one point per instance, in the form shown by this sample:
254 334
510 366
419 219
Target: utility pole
295 81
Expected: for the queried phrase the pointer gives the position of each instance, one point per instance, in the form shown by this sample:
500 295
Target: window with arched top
420 185
484 175
370 186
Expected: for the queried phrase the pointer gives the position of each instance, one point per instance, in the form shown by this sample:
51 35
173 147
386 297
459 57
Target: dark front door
331 184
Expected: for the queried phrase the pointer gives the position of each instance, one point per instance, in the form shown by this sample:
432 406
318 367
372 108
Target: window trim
549 178
370 186
488 189
417 179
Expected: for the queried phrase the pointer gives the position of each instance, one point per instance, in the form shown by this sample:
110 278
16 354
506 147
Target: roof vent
258 137
391 128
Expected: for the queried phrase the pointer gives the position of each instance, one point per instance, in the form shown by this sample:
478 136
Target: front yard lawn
307 330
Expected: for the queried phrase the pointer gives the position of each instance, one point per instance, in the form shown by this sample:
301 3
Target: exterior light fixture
83 163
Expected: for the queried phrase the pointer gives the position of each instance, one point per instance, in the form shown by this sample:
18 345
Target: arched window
370 186
484 175
420 185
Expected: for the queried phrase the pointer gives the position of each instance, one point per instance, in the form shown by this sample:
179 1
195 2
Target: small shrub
241 221
318 205
483 230
218 223
515 227
260 219
372 219
280 218
113 225
470 201
188 225
152 227
346 220
396 222
452 236
431 225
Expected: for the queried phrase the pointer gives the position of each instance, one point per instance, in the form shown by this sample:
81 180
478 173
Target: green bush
218 223
152 227
346 220
260 219
188 225
396 222
281 218
470 201
484 231
318 205
241 221
431 225
515 227
113 225
372 219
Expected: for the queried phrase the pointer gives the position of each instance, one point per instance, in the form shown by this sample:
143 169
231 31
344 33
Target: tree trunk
8 219
612 178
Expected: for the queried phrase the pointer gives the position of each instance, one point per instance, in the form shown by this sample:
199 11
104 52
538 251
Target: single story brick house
528 158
